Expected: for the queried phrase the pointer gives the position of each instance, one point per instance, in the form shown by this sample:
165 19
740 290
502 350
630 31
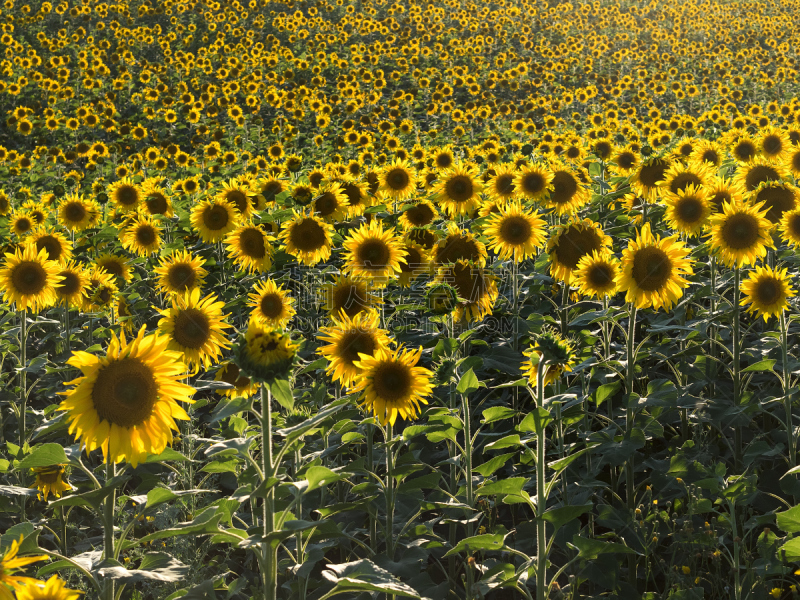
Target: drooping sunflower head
597 274
654 270
475 286
751 174
74 285
459 244
790 227
213 219
391 384
555 354
307 238
419 214
688 210
125 195
250 247
243 387
348 295
50 480
740 234
195 328
58 247
777 197
180 272
767 292
265 353
127 401
458 189
374 252
142 236
533 182
515 232
347 339
398 180
271 304
570 243
29 279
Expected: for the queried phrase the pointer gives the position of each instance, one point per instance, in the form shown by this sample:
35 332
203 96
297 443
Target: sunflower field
399 299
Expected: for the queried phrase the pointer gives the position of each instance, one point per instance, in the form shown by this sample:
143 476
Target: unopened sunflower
767 292
347 339
556 353
126 402
29 279
265 353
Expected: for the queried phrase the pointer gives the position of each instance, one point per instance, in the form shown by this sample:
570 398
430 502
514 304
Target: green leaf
227 408
509 441
282 392
512 485
559 517
497 413
319 477
590 549
94 498
469 383
299 430
44 455
364 576
29 535
486 541
167 454
789 521
535 420
605 391
155 566
207 522
762 365
487 468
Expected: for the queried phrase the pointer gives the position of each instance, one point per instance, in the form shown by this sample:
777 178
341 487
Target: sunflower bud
264 354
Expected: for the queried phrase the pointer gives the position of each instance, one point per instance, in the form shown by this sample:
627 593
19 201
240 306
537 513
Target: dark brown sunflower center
626 160
744 150
778 200
795 162
794 226
515 230
146 235
710 156
772 144
353 193
719 199
652 269
650 175
215 217
351 299
419 215
600 276
252 243
459 188
238 199
28 278
373 254
682 180
455 248
740 231
156 204
602 149
181 276
74 212
532 183
50 475
192 328
326 204
504 184
354 343
469 282
443 161
70 283
564 187
689 210
307 235
574 244
768 291
125 392
127 195
271 306
397 179
423 237
112 266
51 245
23 224
392 382
760 174
271 189
229 373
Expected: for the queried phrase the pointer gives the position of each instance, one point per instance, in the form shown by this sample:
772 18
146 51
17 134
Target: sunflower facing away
271 304
195 328
10 563
767 291
597 274
558 354
654 270
52 589
50 480
515 232
570 243
307 238
126 402
29 279
214 219
349 295
180 272
250 247
347 339
374 252
458 190
391 384
740 234
266 353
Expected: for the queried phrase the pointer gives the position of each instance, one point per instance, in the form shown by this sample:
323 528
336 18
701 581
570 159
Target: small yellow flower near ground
686 570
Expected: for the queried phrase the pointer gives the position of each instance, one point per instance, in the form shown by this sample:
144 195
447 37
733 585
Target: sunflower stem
468 474
23 379
787 399
629 422
268 549
108 527
737 376
541 500
389 493
565 308
373 523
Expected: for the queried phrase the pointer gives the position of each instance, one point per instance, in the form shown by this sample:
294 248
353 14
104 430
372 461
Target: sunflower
457 245
123 315
307 238
349 338
744 149
29 279
125 195
270 188
52 589
767 291
688 210
156 199
374 252
331 202
265 353
680 176
500 186
21 224
419 214
721 191
10 563
442 158
237 193
142 236
558 355
571 242
397 180
126 402
195 328
348 295
597 274
777 197
357 196
568 194
101 292
740 234
533 182
475 286
416 262
707 151
654 270
774 144
515 232
250 247
458 190
76 213
243 387
74 284
50 480
391 384
271 304
750 175
180 272
793 162
790 227
213 219
624 162
115 265
58 247
645 181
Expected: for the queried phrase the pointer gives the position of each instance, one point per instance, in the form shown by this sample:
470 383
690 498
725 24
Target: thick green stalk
737 375
108 528
269 553
468 474
629 422
787 400
23 379
389 494
541 500
373 524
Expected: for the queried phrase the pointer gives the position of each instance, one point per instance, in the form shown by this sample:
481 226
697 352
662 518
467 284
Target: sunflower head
29 279
553 352
50 480
307 238
688 210
790 227
52 589
271 304
767 291
597 274
515 232
374 252
571 242
242 386
264 353
740 234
